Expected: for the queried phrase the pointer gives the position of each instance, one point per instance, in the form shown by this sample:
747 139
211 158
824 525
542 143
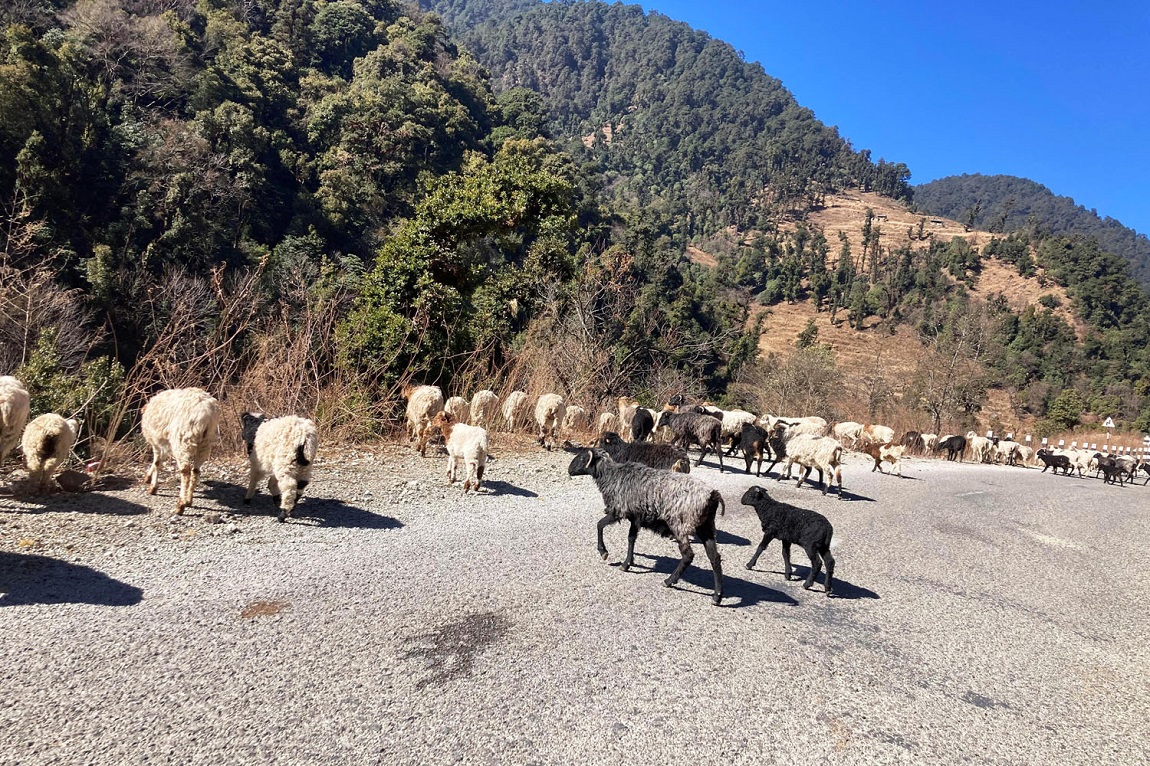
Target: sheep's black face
581 464
250 422
756 496
665 418
610 439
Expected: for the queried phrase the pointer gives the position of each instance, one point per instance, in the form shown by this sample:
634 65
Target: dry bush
32 303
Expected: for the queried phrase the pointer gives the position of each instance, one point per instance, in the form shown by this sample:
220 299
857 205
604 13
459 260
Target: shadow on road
843 589
328 511
505 488
737 592
27 579
73 502
726 538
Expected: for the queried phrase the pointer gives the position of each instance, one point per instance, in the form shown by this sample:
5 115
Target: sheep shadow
26 579
726 538
332 512
73 502
327 511
737 592
843 589
496 487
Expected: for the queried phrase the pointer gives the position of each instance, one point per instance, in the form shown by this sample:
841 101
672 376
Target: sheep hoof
717 599
750 565
282 517
668 582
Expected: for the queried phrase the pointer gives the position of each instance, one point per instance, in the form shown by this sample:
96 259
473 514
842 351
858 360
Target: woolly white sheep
875 434
14 404
46 444
812 426
928 442
732 422
458 408
549 413
282 449
515 410
608 421
848 432
822 453
466 443
980 447
422 404
484 408
576 420
180 424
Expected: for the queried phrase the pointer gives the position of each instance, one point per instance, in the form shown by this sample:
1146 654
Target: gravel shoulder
983 614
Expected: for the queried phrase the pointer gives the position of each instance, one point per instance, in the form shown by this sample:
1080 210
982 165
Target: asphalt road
982 615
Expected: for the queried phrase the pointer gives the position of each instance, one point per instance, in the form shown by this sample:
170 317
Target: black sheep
753 442
954 446
663 456
642 425
1113 472
1050 460
808 529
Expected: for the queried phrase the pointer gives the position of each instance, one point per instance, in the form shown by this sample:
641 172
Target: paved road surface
984 615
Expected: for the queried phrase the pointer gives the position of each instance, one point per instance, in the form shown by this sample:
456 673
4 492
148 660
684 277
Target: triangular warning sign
1109 423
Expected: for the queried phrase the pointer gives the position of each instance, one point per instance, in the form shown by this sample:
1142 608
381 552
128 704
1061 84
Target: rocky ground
982 614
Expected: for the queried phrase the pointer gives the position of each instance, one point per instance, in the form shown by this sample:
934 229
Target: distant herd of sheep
640 474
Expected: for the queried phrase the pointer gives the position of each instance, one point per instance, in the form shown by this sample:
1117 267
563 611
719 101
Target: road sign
1109 423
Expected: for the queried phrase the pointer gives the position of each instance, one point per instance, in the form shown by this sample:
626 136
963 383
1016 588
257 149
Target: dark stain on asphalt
263 609
957 530
983 702
450 650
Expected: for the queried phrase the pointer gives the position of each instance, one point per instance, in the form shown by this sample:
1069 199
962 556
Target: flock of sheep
641 478
181 425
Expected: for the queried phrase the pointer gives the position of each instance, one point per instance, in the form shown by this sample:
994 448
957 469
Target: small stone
213 518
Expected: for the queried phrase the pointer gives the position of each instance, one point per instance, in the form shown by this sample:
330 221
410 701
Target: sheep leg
253 483
719 452
153 474
684 562
803 474
838 476
829 560
274 490
185 489
288 490
759 551
786 560
632 534
604 522
712 549
816 565
479 477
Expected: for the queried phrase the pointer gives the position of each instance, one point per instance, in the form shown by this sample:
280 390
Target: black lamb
806 528
665 456
667 503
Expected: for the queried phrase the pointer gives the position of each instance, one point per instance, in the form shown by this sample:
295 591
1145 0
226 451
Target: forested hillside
1008 203
307 203
676 119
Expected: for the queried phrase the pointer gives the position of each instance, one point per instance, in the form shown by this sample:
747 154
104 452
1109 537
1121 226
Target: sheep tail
300 456
48 447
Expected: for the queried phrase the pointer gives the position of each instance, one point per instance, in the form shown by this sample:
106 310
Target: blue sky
1058 92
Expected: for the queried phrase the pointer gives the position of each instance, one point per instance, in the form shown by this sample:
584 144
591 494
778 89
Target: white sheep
14 405
466 443
576 420
1026 456
484 408
283 450
848 432
180 424
550 410
46 444
1008 451
608 421
811 426
875 434
458 407
822 453
515 410
422 404
980 447
928 442
732 422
